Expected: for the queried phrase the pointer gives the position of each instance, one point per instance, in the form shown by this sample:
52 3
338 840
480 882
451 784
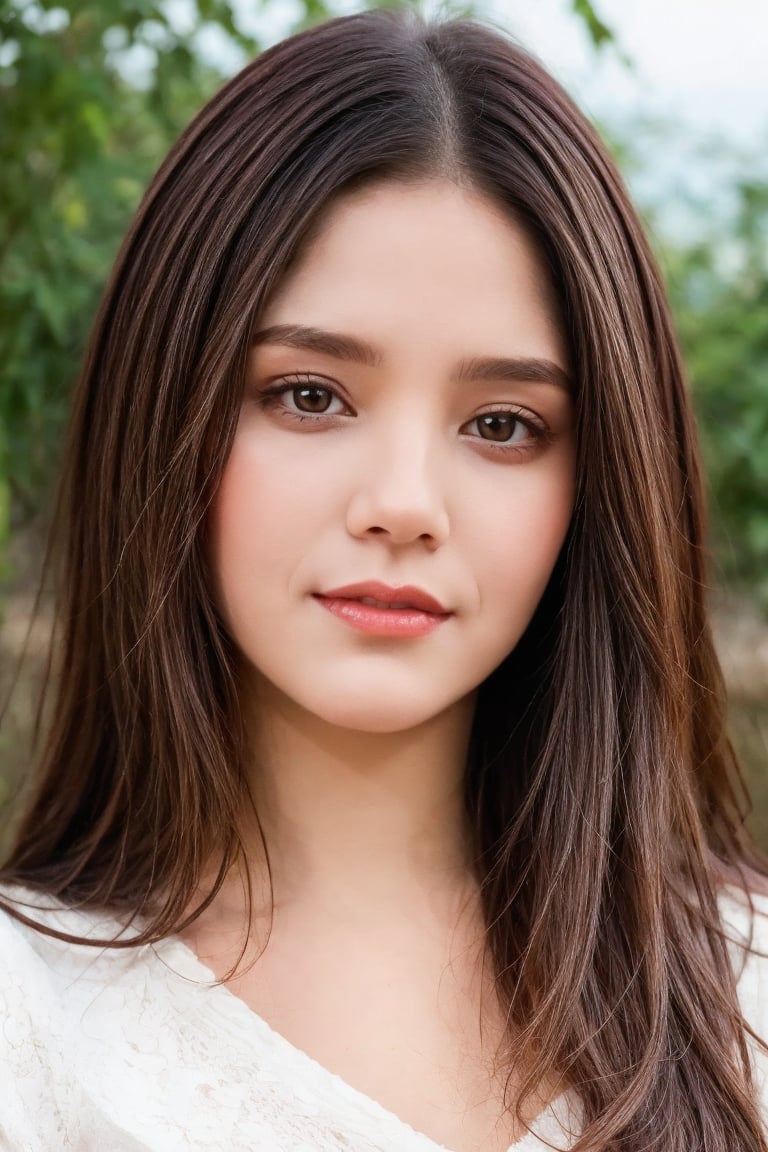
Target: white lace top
134 1050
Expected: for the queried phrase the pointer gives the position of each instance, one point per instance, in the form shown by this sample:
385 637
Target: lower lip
405 622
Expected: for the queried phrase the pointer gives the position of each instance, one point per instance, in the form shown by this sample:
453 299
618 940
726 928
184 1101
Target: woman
386 802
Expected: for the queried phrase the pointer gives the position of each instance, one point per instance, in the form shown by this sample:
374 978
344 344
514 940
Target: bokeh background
92 94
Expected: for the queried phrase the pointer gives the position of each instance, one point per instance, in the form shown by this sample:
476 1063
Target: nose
399 493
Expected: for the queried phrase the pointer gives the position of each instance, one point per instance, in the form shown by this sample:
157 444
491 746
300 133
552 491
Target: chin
377 718
376 708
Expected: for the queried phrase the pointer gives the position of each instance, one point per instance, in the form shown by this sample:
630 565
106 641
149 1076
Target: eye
509 428
313 399
302 398
500 427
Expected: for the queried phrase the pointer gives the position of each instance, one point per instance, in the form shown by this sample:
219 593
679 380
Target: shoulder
23 959
40 1093
38 956
47 984
34 928
744 917
39 916
54 952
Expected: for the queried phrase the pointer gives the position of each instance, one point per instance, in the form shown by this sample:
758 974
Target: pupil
312 399
497 425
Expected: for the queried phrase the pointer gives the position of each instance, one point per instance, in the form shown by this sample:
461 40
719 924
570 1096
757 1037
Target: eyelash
537 428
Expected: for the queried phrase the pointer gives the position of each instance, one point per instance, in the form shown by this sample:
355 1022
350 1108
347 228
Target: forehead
395 260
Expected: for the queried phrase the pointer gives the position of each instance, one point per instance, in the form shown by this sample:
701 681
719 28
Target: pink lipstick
380 610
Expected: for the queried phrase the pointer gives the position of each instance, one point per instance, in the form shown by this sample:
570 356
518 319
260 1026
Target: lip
417 614
406 594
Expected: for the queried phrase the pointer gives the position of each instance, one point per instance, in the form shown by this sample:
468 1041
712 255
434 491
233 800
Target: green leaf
599 32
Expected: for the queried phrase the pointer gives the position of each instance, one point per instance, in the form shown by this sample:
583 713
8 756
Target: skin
359 743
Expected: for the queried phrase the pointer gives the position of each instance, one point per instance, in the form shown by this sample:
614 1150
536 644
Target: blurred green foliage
78 145
719 291
91 97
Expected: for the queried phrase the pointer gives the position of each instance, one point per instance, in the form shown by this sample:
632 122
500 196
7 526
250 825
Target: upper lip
406 594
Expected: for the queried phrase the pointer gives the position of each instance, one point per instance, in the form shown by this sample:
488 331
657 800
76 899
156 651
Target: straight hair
604 796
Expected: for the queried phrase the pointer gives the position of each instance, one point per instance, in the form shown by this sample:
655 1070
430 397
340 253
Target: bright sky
701 62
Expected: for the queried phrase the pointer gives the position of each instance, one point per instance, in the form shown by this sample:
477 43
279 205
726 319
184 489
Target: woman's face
406 421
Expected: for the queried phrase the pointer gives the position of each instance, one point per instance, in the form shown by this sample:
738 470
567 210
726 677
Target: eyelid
524 415
296 380
539 432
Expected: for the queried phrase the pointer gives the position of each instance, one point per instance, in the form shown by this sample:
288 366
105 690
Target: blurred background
93 93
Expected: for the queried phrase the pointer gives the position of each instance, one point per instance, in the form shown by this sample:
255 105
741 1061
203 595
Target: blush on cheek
227 530
524 559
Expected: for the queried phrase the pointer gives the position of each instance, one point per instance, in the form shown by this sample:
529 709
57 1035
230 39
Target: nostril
402 518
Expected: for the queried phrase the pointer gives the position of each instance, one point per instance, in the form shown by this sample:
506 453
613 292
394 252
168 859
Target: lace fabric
139 1050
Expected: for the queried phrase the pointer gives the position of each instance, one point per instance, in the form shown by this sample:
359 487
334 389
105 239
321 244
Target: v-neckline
550 1120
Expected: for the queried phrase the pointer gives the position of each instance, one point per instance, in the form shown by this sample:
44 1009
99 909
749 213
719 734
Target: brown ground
741 634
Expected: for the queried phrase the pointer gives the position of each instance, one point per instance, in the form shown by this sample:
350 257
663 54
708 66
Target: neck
372 816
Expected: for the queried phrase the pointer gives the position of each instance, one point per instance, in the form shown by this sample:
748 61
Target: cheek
255 524
518 539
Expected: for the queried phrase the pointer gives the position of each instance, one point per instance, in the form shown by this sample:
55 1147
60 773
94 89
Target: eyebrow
528 369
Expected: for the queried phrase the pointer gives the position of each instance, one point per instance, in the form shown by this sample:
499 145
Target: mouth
379 610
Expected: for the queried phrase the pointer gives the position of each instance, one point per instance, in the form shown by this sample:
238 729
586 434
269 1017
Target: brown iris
312 398
497 426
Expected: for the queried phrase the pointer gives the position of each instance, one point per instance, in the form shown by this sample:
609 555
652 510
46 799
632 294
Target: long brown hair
602 788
